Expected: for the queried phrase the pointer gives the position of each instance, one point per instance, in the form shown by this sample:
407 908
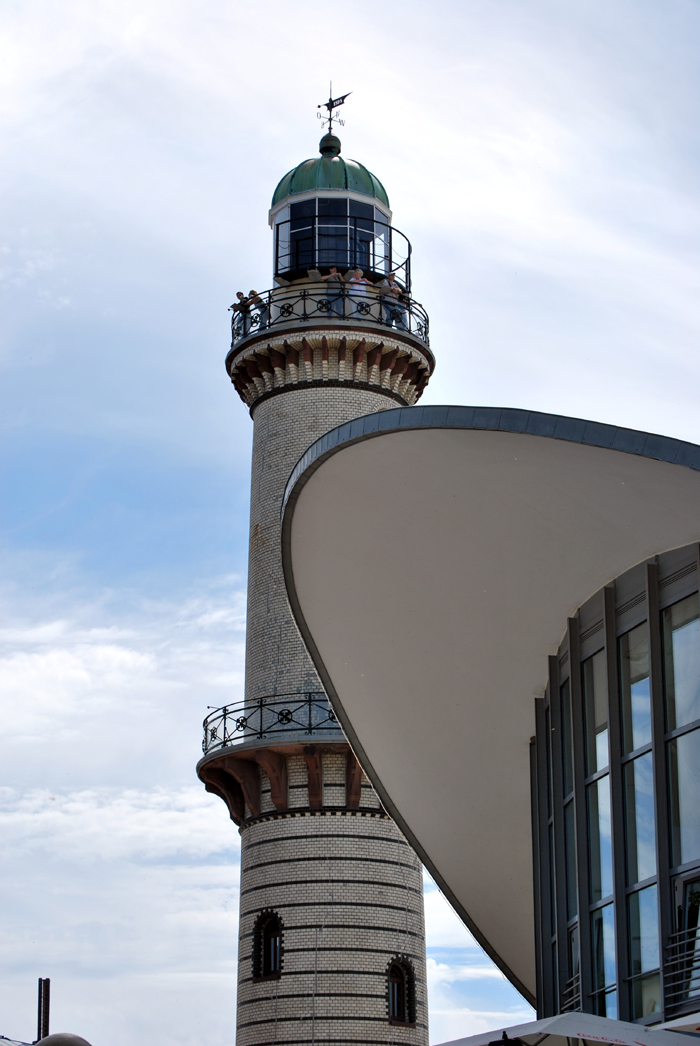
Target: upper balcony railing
316 242
321 303
277 718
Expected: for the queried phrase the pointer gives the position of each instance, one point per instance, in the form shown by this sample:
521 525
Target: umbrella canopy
558 1031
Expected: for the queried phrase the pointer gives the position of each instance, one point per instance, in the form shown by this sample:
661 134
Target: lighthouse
331 941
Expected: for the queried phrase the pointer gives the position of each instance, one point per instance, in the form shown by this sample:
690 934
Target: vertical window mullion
558 816
659 757
541 884
617 812
314 242
580 801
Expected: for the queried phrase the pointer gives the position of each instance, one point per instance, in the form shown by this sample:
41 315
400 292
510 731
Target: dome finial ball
329 145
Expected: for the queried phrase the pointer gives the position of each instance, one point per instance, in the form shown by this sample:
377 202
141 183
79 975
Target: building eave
469 535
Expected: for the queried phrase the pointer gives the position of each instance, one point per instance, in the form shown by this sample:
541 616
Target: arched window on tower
267 946
401 992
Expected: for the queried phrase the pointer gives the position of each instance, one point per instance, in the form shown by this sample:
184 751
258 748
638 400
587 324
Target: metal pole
44 1003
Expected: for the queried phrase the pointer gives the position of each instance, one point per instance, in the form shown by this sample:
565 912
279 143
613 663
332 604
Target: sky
541 155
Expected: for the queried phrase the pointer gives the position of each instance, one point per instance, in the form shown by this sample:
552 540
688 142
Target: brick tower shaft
331 937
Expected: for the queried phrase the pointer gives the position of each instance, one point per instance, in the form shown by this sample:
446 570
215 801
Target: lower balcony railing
682 972
272 717
328 304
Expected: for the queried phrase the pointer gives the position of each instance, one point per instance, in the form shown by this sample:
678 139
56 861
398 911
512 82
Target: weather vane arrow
330 105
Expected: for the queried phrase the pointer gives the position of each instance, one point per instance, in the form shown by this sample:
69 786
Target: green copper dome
330 171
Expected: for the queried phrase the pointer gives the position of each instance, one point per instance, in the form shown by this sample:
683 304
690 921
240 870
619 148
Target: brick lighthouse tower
331 939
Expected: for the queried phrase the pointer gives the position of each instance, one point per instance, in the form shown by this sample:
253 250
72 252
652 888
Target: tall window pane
681 626
644 952
603 939
599 840
684 782
595 704
566 741
570 850
634 688
571 996
639 819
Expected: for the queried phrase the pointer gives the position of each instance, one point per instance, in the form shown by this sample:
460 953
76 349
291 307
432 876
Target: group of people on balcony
393 308
254 311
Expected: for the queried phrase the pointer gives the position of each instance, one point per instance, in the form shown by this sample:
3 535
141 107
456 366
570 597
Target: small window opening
397 993
272 943
401 992
267 946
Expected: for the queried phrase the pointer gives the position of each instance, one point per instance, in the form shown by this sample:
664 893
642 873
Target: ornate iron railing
344 241
682 971
330 302
306 714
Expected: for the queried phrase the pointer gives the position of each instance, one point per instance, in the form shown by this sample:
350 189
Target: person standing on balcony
394 309
262 307
335 290
357 287
242 307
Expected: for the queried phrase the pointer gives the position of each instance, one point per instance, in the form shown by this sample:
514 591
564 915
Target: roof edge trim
499 419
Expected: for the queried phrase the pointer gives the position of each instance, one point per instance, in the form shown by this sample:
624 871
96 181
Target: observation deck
320 304
281 718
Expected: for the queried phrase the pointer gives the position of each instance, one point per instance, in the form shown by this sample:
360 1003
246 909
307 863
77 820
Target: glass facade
617 801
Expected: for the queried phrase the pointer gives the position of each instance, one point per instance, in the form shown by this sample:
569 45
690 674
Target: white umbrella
559 1031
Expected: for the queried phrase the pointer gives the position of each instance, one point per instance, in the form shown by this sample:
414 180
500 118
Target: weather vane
330 105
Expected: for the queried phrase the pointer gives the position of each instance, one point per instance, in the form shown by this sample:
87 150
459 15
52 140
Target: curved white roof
432 556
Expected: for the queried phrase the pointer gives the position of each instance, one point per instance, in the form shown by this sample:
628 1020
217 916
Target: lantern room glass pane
595 705
684 784
640 832
635 688
599 838
330 209
681 627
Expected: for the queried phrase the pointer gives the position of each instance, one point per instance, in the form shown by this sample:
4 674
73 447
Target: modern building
512 647
332 939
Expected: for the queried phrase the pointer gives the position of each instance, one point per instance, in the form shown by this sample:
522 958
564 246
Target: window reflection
684 785
603 936
635 689
639 818
595 700
644 952
600 844
681 626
